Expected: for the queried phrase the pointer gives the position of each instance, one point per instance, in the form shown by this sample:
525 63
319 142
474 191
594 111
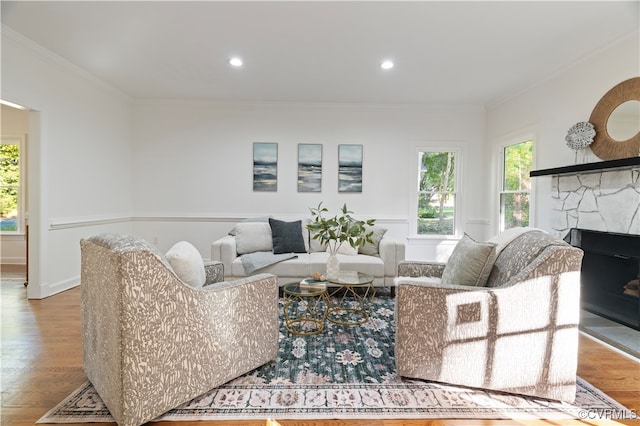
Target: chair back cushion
519 253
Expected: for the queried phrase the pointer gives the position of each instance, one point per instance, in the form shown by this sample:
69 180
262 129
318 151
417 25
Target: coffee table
305 309
356 286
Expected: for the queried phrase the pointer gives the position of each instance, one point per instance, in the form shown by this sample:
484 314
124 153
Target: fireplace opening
609 274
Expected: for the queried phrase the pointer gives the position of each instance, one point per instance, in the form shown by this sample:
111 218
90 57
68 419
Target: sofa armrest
412 268
224 250
392 253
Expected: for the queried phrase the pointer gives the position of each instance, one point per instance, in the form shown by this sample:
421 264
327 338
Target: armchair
152 342
517 334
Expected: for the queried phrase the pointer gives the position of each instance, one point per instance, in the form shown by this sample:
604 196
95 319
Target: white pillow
187 263
345 248
253 236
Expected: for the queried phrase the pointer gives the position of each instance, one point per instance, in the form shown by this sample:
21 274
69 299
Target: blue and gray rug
345 372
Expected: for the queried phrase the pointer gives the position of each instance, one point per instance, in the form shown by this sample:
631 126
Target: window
10 181
436 197
516 185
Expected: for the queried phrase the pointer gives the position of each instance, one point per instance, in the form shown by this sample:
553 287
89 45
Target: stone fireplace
596 206
604 200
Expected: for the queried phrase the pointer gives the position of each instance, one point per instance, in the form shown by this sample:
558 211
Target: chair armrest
410 268
391 252
224 250
214 271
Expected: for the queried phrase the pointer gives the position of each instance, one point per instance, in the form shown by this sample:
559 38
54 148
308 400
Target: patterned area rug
346 372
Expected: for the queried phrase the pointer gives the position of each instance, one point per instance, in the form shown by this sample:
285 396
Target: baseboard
50 289
605 343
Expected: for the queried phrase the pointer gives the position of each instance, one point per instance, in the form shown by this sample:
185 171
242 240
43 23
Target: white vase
333 267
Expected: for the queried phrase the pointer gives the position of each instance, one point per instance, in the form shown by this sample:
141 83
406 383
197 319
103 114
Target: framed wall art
309 167
265 166
349 168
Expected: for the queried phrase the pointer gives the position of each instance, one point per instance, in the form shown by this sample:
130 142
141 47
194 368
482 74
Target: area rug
346 372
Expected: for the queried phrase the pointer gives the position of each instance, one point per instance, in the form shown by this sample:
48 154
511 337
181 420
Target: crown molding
9 35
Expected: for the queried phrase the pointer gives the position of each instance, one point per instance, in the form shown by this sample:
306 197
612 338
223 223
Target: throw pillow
264 219
315 245
252 237
373 249
187 263
470 263
287 236
345 248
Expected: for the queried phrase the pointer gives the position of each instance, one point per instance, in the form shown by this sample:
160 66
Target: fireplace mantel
622 163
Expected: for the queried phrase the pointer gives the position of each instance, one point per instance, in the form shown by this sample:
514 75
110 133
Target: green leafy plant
339 229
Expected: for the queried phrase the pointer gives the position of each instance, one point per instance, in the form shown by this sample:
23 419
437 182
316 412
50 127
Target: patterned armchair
515 331
152 342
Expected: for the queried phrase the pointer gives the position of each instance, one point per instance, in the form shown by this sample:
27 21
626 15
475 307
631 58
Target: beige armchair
517 332
152 342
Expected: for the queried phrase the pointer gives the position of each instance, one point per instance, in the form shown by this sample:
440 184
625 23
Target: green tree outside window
436 193
516 185
9 186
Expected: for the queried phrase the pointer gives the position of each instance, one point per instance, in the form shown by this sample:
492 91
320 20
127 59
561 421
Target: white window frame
415 190
18 140
506 142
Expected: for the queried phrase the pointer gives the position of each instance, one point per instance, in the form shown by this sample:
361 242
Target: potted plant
337 230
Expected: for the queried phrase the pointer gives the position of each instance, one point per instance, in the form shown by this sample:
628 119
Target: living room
170 161
176 168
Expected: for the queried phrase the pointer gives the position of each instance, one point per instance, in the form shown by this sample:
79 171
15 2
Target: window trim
515 139
20 141
458 151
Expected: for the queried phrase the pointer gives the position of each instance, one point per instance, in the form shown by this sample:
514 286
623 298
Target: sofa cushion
252 237
470 263
373 248
287 236
187 263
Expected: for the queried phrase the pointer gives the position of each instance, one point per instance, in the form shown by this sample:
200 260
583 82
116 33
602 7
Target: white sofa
380 259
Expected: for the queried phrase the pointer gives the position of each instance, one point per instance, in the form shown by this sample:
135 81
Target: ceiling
446 52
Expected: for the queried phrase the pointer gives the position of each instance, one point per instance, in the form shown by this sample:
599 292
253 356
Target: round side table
305 309
352 307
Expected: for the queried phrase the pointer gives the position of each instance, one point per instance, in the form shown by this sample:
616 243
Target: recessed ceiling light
386 65
235 61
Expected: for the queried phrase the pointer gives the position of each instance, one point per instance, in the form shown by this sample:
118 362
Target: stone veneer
606 200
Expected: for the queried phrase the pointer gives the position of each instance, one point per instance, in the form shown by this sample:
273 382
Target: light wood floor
42 364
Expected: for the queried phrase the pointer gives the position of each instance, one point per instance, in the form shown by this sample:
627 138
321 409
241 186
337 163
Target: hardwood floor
41 364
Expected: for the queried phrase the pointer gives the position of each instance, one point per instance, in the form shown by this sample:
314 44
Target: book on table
310 283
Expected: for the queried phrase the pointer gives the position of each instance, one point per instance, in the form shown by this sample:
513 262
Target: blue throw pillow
287 236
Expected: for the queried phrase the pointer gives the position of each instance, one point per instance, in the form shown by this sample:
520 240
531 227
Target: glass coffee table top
295 289
352 278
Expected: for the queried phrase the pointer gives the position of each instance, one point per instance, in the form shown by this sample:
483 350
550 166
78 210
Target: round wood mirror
604 145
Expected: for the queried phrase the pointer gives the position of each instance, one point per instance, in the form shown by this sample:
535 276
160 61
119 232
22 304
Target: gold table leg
360 307
305 315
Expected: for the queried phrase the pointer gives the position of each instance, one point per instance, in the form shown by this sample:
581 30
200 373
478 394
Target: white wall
551 107
80 159
193 164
